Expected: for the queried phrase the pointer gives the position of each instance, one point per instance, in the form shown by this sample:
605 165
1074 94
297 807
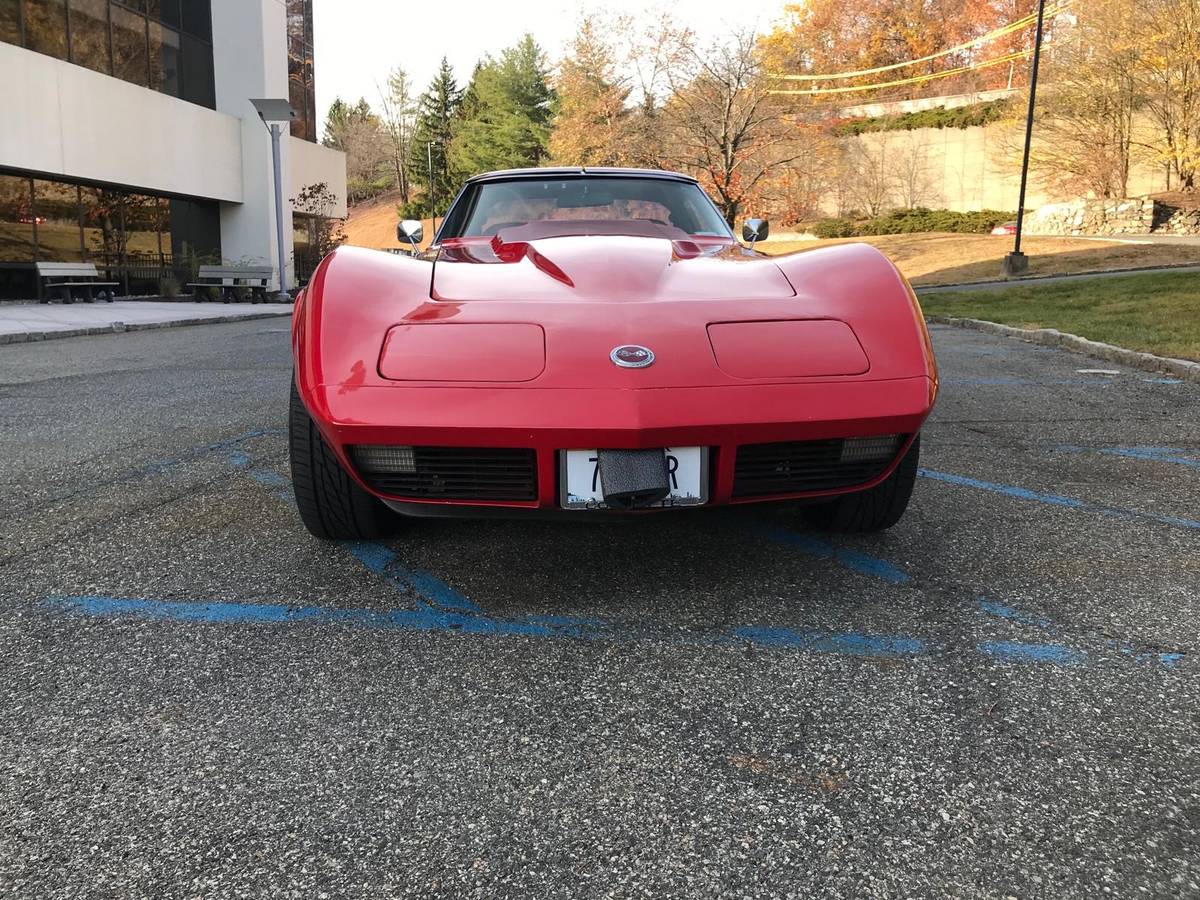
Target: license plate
687 469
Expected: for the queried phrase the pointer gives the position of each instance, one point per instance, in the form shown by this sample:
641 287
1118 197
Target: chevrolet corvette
597 342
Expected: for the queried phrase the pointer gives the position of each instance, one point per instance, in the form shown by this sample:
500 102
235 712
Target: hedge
939 117
912 221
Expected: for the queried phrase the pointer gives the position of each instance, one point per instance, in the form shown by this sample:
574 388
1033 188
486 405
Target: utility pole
432 198
1017 263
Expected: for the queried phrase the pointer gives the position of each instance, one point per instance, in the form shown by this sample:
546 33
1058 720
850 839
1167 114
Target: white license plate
687 468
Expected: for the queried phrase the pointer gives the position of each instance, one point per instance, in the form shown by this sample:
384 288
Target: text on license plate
687 469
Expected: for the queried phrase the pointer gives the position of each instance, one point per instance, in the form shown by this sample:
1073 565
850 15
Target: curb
1001 283
1052 337
25 337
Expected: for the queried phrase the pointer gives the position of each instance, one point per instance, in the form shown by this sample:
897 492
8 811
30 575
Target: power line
1000 60
1004 31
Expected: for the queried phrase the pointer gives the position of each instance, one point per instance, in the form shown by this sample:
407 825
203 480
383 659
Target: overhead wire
996 34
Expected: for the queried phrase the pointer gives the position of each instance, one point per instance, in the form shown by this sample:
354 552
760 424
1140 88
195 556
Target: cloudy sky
359 41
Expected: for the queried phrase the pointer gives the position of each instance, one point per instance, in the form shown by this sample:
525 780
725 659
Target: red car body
508 341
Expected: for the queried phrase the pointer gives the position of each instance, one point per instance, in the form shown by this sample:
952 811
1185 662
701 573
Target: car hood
605 268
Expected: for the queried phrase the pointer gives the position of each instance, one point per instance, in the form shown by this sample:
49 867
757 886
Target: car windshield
486 207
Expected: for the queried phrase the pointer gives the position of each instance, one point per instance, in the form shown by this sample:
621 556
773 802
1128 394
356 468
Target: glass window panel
164 59
197 85
144 223
16 220
56 206
100 212
46 27
89 35
197 18
10 21
129 46
139 5
168 11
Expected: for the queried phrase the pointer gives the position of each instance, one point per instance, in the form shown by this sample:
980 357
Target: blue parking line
1156 454
426 619
384 562
848 643
1002 611
1056 500
1043 653
863 563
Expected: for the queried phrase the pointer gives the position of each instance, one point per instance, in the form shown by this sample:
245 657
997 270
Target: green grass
1154 313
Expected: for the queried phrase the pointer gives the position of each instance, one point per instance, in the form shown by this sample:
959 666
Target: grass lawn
1154 313
936 258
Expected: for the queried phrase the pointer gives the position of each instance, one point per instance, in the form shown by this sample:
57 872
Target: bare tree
913 184
399 119
722 125
867 175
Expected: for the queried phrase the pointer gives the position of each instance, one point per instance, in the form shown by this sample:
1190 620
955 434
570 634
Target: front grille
802 466
449 473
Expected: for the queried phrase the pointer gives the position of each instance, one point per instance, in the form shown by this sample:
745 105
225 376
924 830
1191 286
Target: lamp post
1017 263
273 114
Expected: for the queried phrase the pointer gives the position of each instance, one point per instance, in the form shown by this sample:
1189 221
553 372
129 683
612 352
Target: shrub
959 117
168 287
914 221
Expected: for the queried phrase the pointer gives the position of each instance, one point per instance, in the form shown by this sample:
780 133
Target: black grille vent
449 473
803 466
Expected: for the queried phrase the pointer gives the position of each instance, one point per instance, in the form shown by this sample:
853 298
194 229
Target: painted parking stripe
426 619
1055 499
863 563
1018 651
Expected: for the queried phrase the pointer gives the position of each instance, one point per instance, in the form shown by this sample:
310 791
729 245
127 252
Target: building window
164 59
134 239
301 91
89 35
130 61
56 208
162 44
10 22
46 27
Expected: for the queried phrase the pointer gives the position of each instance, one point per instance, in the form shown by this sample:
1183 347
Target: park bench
229 278
64 280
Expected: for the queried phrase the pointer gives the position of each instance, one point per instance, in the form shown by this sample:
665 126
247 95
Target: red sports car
592 342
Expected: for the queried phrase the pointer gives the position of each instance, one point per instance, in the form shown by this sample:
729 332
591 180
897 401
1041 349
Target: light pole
432 207
273 114
1017 263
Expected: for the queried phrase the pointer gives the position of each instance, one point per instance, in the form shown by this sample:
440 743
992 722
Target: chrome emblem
632 356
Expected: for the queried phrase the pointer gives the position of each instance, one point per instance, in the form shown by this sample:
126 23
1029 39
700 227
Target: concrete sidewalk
40 322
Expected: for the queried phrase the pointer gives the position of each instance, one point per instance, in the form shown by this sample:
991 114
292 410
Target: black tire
332 506
872 510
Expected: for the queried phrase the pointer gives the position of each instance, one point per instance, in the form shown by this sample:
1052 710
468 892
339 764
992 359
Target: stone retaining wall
1136 215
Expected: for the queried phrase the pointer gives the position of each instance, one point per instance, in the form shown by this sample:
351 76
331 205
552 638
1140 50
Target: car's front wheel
331 503
875 509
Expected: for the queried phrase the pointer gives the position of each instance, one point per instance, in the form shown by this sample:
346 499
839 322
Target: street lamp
273 113
1017 263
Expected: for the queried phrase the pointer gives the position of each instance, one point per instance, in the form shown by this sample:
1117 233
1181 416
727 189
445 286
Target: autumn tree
1086 114
1168 81
721 124
591 125
356 131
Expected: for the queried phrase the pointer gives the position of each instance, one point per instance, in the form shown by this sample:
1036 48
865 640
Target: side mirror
755 230
410 230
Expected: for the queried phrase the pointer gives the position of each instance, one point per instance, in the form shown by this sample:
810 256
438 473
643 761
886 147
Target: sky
357 42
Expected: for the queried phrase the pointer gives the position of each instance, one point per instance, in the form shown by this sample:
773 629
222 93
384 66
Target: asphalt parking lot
998 698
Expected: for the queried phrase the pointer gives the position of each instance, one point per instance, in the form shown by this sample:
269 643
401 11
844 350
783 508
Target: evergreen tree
506 114
437 113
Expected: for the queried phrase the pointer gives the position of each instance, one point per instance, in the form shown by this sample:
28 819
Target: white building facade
127 138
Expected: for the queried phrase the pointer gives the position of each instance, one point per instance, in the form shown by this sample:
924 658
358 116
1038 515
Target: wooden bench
65 279
229 278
